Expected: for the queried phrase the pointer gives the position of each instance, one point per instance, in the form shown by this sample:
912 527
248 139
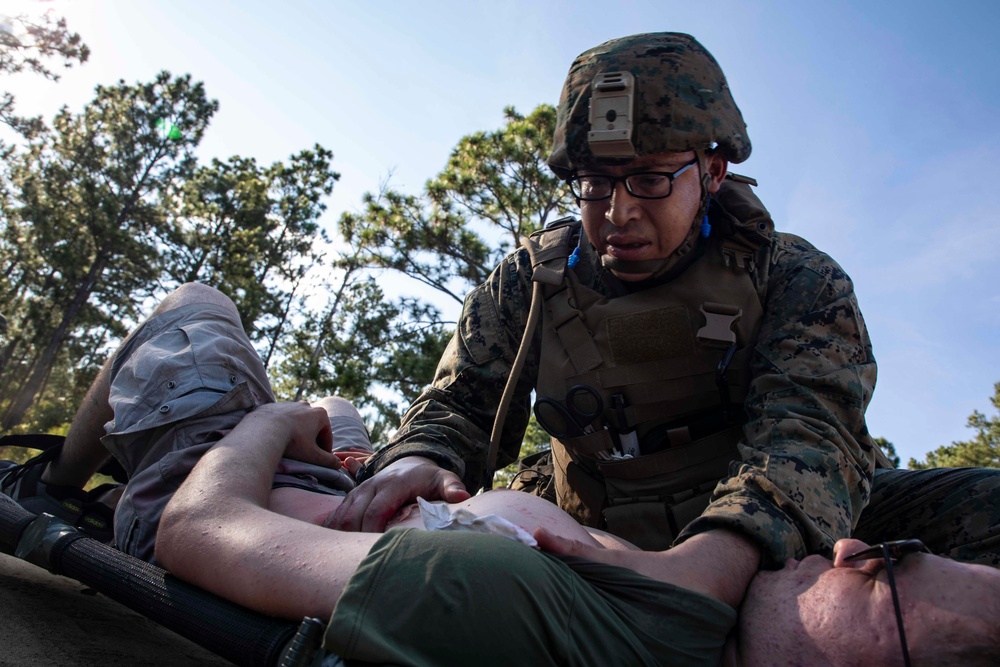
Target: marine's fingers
382 508
348 516
451 489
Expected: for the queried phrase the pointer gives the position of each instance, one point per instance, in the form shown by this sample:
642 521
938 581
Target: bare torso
527 511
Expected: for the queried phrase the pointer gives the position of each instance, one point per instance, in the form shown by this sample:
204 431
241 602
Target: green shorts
438 598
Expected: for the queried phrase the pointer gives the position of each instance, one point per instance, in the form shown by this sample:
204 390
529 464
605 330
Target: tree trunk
15 412
323 331
279 327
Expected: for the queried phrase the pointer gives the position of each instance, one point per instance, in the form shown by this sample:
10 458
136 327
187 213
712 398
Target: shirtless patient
218 496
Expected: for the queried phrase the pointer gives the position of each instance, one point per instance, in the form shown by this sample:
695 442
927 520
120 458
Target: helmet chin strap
658 267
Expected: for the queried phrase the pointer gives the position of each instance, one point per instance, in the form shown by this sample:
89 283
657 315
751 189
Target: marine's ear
716 166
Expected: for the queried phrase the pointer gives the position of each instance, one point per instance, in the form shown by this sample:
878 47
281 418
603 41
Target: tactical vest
671 364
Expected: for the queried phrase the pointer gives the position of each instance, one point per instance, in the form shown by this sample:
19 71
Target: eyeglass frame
888 551
574 181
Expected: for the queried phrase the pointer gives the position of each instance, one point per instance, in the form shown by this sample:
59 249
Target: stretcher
238 634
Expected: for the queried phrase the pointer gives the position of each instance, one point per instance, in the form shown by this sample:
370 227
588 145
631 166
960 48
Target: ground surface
48 621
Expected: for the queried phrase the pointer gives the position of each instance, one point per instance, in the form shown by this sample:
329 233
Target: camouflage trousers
954 511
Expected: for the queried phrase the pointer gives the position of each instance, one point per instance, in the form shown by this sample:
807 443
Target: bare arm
718 563
446 431
218 534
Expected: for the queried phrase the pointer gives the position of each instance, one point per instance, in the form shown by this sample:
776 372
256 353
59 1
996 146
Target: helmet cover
681 102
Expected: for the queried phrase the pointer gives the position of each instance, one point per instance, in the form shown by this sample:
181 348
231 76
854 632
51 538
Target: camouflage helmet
649 93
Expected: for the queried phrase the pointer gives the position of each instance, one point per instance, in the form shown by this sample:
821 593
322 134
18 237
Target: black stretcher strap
43 441
228 630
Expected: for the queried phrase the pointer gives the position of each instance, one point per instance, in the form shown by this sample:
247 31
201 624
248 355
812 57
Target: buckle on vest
739 259
719 321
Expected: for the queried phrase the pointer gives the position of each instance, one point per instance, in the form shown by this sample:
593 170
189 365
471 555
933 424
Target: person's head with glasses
851 610
645 129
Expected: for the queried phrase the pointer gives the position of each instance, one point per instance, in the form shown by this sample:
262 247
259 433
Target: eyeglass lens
644 185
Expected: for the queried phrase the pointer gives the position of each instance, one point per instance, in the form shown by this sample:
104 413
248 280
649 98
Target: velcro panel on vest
650 336
616 377
574 335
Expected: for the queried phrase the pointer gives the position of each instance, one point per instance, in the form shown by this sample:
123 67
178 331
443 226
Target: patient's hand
306 431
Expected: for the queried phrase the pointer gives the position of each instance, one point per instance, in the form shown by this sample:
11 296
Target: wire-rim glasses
641 184
889 552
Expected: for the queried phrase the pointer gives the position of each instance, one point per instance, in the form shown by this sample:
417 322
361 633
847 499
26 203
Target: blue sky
874 125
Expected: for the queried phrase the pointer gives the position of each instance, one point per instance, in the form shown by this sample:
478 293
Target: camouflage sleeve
807 457
452 420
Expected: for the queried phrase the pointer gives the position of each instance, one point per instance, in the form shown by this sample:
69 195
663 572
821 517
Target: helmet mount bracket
612 104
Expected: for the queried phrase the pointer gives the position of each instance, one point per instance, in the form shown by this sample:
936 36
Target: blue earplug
574 258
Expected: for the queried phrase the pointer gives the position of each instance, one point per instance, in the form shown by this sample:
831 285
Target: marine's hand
306 431
368 507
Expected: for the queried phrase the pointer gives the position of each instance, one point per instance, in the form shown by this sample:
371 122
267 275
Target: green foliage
535 440
85 214
27 43
252 232
889 450
30 44
364 348
107 211
501 178
494 190
982 451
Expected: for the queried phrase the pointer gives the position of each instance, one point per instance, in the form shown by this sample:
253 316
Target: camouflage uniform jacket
807 458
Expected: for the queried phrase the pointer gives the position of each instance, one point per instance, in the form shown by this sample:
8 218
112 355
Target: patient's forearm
217 533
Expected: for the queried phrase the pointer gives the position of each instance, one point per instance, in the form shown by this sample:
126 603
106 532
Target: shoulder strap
550 248
744 211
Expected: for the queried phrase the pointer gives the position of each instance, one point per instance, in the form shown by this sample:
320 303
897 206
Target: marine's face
813 612
633 229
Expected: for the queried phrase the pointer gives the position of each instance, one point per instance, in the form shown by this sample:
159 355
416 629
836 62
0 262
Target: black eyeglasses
889 552
642 184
